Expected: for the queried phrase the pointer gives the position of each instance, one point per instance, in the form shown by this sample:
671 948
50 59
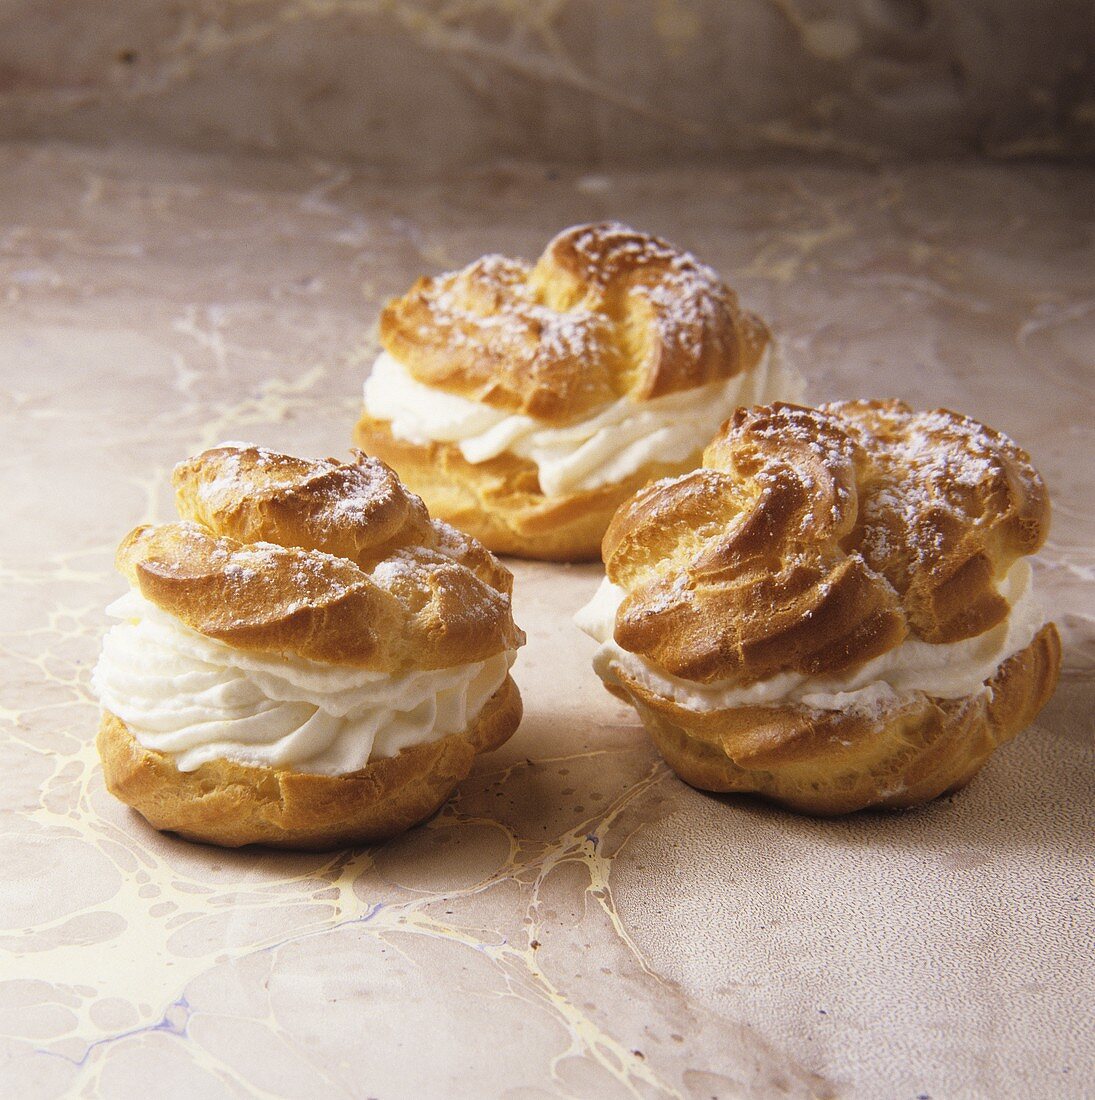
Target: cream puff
835 611
305 660
526 402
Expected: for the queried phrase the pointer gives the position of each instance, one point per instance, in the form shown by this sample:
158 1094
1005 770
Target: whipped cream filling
948 671
198 699
611 445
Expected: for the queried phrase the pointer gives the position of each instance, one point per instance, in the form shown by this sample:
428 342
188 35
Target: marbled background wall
412 85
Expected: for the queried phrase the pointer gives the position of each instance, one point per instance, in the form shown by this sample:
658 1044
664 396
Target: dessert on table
306 659
525 402
836 610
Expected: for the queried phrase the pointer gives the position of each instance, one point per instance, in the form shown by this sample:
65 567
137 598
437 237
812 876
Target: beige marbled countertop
577 922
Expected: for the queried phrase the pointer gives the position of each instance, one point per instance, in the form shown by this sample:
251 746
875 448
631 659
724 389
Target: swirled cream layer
198 699
948 671
615 442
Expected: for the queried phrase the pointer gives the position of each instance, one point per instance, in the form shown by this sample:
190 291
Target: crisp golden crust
357 510
901 754
332 562
397 590
813 540
499 501
232 804
605 312
416 610
260 596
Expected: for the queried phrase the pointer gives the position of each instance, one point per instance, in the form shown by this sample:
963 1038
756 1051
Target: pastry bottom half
500 502
835 762
233 804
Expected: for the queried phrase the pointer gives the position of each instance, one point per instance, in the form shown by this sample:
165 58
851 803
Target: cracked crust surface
326 561
606 311
811 541
329 561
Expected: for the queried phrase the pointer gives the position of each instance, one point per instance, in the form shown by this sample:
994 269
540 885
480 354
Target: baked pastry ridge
306 659
836 610
525 402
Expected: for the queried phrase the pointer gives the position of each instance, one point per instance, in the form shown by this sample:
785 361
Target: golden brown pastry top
605 312
330 561
812 540
358 510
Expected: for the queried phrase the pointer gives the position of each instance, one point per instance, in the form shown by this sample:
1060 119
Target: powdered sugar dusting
605 311
692 306
845 529
348 534
935 474
492 306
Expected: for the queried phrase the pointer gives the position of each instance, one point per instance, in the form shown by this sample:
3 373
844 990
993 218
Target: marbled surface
576 922
430 85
